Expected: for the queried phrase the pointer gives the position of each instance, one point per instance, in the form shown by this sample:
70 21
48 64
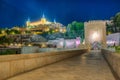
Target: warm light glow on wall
56 30
95 36
47 29
3 31
43 45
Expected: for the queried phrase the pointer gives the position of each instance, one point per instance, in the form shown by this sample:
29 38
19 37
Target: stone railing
11 65
114 61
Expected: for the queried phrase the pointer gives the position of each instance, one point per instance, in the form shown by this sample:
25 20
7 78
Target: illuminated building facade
44 26
36 28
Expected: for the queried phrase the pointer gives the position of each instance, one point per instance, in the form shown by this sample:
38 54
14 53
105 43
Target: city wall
114 61
11 65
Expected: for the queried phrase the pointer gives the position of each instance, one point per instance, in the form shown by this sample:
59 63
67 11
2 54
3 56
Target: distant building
44 26
36 28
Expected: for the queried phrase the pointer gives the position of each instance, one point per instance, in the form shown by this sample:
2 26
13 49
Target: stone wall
29 49
11 65
35 49
95 31
114 60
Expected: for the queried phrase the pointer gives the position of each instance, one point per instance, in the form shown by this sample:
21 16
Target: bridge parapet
113 59
11 65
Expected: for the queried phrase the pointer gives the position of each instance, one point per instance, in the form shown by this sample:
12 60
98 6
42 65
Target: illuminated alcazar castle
43 25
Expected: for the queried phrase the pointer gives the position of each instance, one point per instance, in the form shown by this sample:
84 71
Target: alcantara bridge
77 64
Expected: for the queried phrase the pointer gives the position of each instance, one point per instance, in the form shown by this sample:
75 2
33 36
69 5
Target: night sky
16 12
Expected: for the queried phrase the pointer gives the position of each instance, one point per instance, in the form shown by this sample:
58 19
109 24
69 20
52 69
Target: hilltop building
43 25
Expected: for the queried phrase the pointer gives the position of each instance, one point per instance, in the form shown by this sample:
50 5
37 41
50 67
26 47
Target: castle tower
95 31
54 21
43 20
28 22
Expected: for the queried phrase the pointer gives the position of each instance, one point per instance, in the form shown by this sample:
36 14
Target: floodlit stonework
95 31
88 66
12 65
113 58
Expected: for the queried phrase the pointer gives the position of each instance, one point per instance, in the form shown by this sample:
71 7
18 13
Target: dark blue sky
16 12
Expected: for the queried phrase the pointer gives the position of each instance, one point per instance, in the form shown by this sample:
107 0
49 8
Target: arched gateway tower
95 33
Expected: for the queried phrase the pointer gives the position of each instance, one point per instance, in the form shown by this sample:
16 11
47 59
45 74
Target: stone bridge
79 65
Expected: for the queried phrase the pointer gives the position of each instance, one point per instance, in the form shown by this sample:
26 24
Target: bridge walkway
89 66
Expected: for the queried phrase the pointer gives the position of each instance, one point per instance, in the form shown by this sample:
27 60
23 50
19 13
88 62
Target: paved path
89 66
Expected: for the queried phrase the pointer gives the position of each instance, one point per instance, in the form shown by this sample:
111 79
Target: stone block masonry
113 60
11 65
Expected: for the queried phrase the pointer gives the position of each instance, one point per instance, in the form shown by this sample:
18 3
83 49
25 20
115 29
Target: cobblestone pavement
89 66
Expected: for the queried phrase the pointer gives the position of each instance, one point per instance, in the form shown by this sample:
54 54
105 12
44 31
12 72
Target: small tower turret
54 21
43 20
28 22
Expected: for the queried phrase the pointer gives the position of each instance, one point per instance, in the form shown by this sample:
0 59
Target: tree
109 28
116 22
114 25
5 39
75 29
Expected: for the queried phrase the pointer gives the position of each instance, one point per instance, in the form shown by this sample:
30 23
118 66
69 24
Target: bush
117 48
8 52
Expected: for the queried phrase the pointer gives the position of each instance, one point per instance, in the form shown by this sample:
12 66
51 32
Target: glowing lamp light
11 44
56 30
29 45
95 36
19 45
15 44
47 29
61 30
43 45
3 31
64 30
